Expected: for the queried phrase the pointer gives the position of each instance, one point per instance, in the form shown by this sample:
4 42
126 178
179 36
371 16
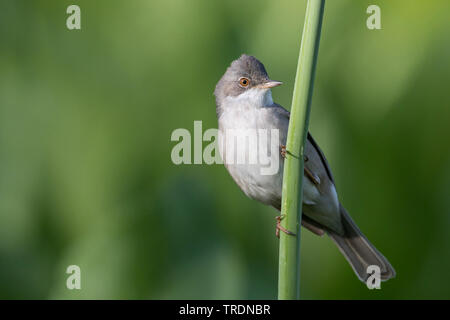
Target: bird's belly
253 160
262 180
264 188
268 189
255 179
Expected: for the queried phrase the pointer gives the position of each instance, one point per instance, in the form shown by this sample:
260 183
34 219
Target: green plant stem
289 260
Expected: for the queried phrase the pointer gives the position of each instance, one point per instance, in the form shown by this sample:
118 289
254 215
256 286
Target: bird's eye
244 82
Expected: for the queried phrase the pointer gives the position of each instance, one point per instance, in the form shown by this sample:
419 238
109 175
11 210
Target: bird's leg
283 151
313 177
279 227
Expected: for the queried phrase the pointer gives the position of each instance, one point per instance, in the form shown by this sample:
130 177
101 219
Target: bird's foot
283 151
279 227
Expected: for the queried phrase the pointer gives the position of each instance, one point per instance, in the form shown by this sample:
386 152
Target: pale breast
267 188
260 176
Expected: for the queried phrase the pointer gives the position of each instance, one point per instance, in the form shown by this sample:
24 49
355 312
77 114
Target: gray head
244 74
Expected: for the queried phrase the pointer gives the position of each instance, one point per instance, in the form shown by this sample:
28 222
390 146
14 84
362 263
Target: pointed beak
270 84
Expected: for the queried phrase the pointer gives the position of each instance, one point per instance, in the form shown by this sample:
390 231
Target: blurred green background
86 176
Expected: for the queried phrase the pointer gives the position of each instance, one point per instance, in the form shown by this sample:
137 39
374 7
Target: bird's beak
270 84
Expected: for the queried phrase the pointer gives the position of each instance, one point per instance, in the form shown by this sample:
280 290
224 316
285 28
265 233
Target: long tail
358 251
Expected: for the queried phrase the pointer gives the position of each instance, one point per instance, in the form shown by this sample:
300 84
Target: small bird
244 102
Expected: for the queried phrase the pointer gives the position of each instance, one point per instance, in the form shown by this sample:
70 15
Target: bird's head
246 77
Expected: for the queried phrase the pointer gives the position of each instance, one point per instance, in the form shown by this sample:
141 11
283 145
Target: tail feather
358 250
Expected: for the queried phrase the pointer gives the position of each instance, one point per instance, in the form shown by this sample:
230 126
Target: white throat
255 97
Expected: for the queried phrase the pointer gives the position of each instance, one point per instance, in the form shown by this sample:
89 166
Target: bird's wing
322 156
282 111
319 194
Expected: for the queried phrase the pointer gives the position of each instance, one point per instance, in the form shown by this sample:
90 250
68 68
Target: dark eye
244 82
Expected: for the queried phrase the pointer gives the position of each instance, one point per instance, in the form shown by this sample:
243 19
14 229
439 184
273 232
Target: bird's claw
279 227
283 150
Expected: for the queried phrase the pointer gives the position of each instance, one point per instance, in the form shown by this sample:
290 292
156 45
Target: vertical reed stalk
289 260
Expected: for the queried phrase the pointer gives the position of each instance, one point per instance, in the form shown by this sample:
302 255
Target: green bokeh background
86 176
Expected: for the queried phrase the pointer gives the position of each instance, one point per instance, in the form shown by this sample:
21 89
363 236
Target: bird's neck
249 101
255 97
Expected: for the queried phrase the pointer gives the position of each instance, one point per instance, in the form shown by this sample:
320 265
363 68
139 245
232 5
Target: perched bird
244 102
